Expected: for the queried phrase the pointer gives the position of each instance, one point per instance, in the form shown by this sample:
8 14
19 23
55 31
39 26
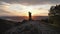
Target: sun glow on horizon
22 10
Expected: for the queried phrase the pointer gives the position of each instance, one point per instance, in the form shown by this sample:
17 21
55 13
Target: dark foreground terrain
26 27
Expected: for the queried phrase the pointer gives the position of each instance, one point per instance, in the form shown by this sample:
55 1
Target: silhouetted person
30 18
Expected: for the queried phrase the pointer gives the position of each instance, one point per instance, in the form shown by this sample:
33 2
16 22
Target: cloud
2 11
42 4
32 2
8 13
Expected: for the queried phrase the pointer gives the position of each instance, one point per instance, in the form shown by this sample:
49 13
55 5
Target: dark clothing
30 16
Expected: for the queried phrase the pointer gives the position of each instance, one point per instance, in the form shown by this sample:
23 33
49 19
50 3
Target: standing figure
30 18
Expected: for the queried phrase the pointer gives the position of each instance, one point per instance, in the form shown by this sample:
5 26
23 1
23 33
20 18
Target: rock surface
32 27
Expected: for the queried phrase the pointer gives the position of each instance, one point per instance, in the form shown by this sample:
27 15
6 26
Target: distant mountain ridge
21 18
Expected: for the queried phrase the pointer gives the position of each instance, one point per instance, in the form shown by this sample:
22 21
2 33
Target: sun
30 9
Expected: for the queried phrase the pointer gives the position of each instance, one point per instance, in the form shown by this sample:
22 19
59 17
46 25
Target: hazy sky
22 7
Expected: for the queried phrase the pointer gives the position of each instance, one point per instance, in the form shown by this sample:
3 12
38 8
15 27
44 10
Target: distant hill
40 17
21 18
14 18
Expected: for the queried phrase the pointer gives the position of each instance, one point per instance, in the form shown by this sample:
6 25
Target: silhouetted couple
30 16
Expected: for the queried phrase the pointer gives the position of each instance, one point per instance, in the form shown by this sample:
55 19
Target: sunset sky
22 7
